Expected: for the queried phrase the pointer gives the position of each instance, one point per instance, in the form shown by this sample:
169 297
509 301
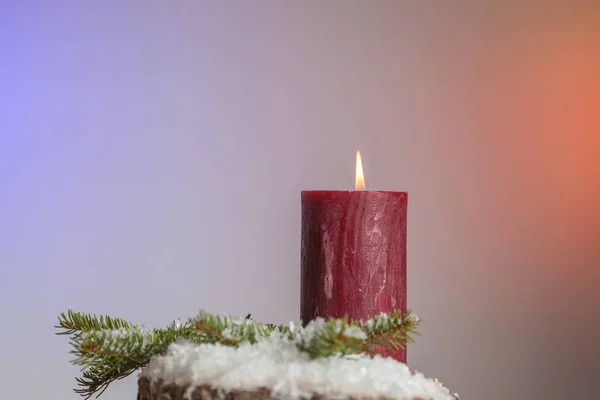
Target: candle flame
360 177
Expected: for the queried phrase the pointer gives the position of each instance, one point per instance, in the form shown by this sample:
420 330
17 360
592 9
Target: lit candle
353 253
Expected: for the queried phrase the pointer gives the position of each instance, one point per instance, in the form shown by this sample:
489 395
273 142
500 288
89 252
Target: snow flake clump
415 318
276 363
177 324
354 332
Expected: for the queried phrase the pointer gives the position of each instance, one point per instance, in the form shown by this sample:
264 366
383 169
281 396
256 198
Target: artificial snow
276 363
355 332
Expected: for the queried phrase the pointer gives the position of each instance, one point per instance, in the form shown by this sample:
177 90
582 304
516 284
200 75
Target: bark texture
157 390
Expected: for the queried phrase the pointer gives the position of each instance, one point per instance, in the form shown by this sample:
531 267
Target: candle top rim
354 191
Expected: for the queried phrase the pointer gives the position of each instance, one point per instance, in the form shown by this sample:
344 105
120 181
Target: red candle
353 254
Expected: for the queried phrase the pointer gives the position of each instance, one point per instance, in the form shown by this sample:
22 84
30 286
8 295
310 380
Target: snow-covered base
276 365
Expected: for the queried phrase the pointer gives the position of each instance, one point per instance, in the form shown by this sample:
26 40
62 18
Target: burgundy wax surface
353 255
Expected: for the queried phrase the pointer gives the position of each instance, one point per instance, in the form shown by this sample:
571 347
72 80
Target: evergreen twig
325 338
109 349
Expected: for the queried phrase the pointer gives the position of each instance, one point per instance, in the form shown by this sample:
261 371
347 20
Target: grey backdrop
152 156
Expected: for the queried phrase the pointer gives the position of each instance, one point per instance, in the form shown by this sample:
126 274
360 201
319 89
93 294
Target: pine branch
108 349
325 338
74 323
229 331
97 378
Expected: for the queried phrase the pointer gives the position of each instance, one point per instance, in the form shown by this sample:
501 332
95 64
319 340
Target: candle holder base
159 390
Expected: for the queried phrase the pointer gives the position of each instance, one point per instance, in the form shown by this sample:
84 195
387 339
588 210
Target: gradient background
152 154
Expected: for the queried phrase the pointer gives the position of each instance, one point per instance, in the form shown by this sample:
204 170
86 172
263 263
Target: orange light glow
360 177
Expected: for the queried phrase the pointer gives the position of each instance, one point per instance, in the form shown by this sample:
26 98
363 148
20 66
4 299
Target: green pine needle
109 349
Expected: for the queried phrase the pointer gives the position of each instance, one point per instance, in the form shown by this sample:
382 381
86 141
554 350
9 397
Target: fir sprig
325 338
108 349
229 331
